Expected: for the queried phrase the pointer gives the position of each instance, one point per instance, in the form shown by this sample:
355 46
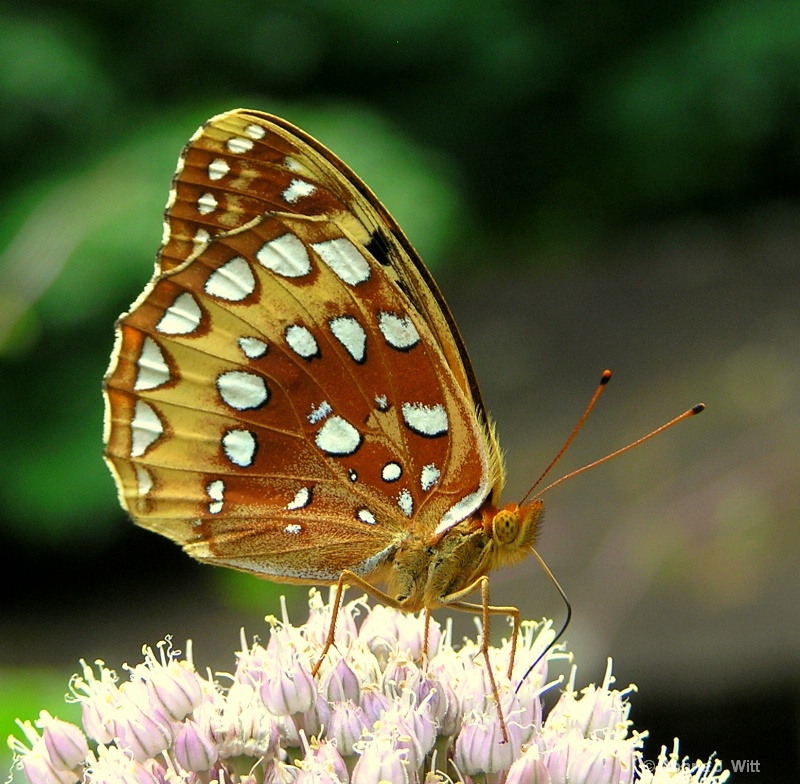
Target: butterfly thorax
426 574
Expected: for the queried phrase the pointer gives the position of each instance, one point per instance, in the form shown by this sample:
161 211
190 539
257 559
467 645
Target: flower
671 769
392 700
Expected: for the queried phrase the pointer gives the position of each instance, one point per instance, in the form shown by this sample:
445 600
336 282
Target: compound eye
505 526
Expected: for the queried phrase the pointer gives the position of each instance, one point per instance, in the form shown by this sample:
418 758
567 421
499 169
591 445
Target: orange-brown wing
289 396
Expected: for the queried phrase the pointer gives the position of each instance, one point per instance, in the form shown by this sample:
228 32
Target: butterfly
290 395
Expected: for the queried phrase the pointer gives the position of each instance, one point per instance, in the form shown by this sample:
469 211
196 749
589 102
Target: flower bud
341 684
562 750
99 699
194 750
323 764
598 763
449 709
380 631
289 689
115 765
400 673
65 743
347 722
480 746
38 770
142 735
428 692
275 772
475 690
380 761
421 726
374 704
529 769
411 635
318 625
176 687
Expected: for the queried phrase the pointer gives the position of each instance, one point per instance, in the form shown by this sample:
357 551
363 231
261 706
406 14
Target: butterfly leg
349 578
427 630
332 627
486 610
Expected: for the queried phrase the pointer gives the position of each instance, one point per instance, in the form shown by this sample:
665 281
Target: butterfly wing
290 395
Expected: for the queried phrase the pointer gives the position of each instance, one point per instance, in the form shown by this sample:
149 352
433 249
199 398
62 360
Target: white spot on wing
216 492
460 510
242 390
218 168
351 335
255 131
146 428
253 348
391 472
301 498
381 402
368 565
238 145
425 420
429 477
206 204
398 331
285 255
319 412
201 237
181 317
144 480
296 190
338 437
153 369
291 164
405 502
233 281
239 447
344 260
301 341
366 516
293 528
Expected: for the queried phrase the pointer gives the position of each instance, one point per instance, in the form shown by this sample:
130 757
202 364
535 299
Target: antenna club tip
606 377
698 408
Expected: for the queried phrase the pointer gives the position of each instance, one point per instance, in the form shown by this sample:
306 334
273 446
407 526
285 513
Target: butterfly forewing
289 395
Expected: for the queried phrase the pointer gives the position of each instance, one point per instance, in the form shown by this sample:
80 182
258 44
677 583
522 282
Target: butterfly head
513 529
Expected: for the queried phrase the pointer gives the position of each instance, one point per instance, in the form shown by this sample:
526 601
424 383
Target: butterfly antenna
604 379
563 625
685 415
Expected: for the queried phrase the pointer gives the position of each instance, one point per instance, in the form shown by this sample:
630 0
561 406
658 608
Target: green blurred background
594 184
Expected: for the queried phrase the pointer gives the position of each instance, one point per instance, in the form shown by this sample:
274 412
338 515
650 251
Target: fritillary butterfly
290 395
